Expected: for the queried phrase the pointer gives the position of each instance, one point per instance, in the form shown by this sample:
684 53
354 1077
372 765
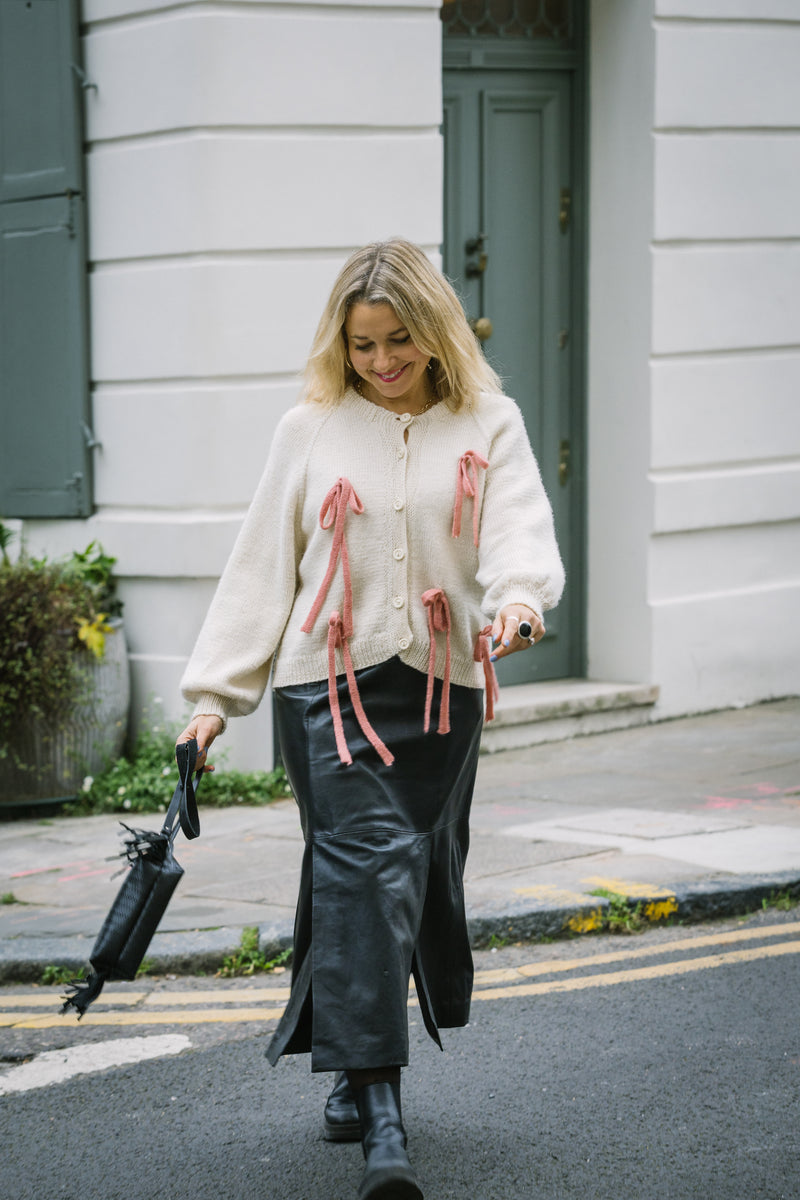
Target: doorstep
530 713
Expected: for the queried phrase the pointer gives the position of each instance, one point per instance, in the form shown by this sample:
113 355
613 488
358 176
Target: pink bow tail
438 608
483 654
337 639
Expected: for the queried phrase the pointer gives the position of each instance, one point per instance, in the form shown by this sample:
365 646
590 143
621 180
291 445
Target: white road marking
55 1066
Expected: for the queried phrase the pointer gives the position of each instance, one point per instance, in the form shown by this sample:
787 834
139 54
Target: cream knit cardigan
405 472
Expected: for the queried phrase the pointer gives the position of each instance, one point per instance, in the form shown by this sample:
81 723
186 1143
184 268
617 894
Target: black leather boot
341 1115
388 1174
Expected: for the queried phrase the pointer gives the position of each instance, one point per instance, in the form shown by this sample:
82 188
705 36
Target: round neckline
378 412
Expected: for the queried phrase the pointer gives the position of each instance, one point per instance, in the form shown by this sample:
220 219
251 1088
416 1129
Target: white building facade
236 152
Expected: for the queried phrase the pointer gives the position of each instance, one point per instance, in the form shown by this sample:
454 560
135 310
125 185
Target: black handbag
141 901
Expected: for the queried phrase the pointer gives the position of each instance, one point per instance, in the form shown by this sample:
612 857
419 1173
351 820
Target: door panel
507 159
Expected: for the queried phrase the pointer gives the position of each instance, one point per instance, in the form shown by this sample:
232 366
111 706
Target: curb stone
707 900
188 952
704 900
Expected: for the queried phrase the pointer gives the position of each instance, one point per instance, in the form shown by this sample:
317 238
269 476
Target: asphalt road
659 1067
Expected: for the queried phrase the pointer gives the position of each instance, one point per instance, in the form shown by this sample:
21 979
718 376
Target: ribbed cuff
212 705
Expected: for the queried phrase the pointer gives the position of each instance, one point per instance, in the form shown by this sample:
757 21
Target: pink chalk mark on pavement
82 867
83 875
759 790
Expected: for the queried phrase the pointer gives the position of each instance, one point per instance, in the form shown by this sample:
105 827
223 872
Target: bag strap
184 802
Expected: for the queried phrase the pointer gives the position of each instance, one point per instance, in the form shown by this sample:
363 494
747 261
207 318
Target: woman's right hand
204 728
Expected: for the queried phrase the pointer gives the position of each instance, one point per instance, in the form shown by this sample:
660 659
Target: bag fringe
84 993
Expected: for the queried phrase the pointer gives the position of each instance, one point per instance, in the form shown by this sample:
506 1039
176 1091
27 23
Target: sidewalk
695 818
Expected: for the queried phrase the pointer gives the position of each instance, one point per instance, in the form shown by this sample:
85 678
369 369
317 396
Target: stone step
530 713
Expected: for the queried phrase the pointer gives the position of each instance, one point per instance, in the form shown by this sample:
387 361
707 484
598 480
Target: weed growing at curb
248 959
8 898
621 916
783 901
55 976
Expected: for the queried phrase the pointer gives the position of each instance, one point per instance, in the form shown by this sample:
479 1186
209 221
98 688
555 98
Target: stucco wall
236 153
620 516
694 364
725 459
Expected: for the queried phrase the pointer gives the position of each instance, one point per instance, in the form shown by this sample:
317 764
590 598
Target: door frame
506 54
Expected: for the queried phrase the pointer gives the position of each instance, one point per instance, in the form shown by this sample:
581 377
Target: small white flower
121 791
126 804
87 784
162 808
157 700
167 771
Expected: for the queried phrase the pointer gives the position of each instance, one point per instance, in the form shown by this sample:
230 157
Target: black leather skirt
381 890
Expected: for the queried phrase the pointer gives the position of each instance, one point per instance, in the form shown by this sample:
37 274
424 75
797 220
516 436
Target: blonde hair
398 273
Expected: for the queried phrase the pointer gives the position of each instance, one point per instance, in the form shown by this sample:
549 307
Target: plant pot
51 763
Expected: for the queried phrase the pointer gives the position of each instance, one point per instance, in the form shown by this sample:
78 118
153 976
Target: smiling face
383 354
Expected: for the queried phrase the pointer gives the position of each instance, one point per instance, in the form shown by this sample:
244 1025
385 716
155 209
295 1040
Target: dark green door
510 250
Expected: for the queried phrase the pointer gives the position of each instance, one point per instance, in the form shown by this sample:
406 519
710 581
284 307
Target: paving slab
494 856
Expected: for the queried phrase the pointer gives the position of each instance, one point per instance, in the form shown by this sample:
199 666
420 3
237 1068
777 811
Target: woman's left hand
505 630
204 729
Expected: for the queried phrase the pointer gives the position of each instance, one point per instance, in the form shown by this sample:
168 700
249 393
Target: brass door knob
482 328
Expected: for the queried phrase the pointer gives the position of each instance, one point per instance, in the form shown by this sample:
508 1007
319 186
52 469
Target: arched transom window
551 19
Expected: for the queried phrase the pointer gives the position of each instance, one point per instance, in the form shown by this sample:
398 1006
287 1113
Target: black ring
525 629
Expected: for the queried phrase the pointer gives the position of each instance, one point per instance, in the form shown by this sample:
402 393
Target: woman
400 541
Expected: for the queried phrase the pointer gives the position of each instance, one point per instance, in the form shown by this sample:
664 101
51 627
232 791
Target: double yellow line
188 1007
660 970
238 1005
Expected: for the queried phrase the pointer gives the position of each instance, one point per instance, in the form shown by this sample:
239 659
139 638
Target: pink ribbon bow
467 485
334 513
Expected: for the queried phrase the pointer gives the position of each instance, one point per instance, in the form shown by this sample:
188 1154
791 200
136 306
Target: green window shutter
45 468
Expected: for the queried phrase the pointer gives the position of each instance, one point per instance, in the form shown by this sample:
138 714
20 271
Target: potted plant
64 684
